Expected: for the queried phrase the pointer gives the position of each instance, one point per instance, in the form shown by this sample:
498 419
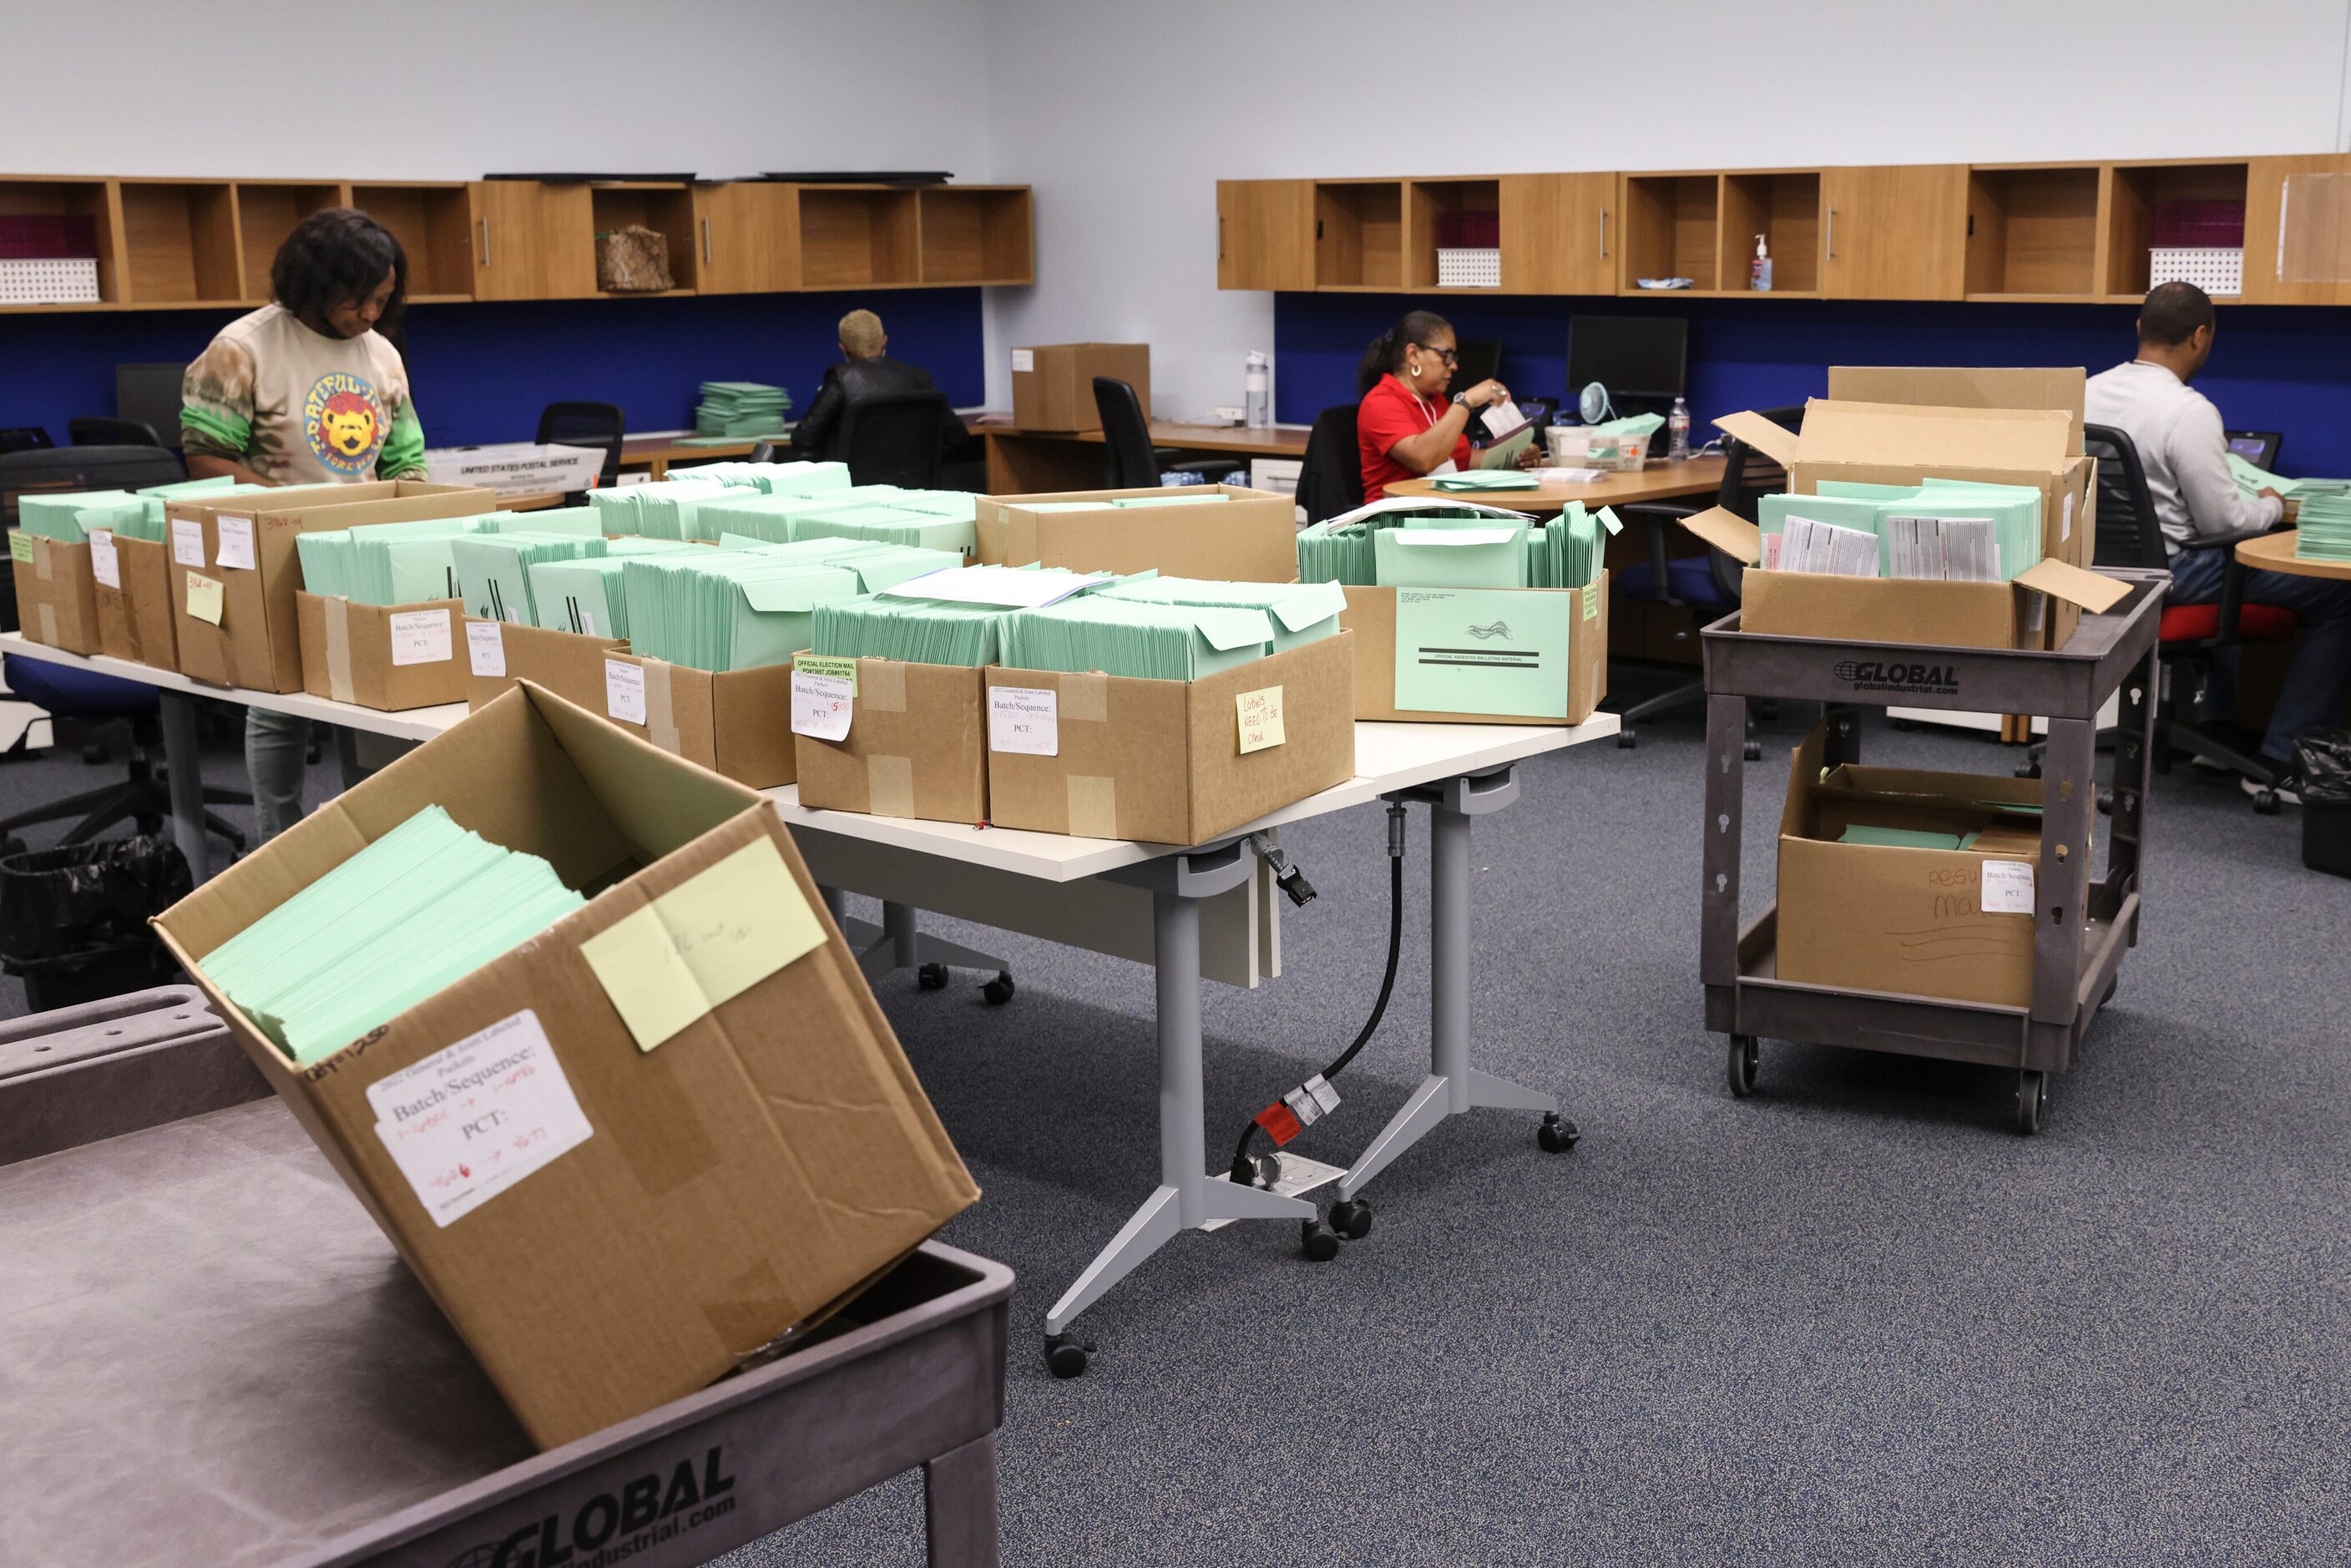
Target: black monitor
1636 357
151 394
1482 361
2258 447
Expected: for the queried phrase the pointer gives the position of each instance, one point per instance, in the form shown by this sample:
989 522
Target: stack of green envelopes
664 509
888 524
383 563
741 408
1137 638
906 624
878 567
1405 543
2252 481
1487 555
1939 530
1302 612
1474 479
1907 838
726 610
69 519
752 515
494 569
2323 525
421 907
158 497
585 595
772 479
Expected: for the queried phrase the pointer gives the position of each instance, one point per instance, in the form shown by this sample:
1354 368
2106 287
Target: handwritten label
235 542
422 637
624 691
2065 517
205 597
188 542
20 545
1024 359
1261 719
486 650
2007 887
822 706
1024 719
469 1122
105 562
831 668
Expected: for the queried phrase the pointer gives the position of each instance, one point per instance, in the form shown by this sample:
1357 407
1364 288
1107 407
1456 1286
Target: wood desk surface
1281 440
2274 552
1658 482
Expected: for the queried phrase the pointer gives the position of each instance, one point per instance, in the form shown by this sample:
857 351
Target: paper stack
1301 611
493 571
888 524
2324 528
1806 544
1942 529
1135 638
741 408
420 907
726 610
1487 479
916 621
158 497
69 517
752 515
772 479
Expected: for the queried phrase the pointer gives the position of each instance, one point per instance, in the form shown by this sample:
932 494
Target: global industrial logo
617 1524
1898 676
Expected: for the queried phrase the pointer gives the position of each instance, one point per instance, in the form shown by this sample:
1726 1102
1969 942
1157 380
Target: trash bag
2324 759
73 920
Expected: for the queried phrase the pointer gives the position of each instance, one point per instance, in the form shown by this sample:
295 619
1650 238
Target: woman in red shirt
1405 426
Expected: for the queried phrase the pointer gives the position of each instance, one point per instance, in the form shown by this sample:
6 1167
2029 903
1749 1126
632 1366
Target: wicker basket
634 260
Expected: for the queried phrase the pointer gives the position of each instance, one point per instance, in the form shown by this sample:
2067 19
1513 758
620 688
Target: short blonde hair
861 334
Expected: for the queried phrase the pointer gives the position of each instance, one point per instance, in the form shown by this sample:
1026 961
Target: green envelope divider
1451 557
494 569
1137 638
1302 612
724 609
68 518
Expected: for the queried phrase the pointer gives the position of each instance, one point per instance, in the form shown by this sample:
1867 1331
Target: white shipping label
1026 719
485 648
188 542
236 542
422 637
624 691
469 1122
822 706
104 563
1024 359
2007 887
2065 519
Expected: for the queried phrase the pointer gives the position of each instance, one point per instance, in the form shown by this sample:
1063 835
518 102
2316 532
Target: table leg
1453 1086
959 1505
184 762
898 943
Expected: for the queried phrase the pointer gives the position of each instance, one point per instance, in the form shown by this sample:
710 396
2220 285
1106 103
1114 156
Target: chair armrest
1656 514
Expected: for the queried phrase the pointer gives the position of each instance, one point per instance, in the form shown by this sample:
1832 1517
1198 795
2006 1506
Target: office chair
143 799
1135 463
1331 476
76 468
96 431
22 438
897 438
1707 585
586 424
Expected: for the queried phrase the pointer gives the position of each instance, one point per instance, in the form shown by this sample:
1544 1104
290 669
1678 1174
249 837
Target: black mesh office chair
101 432
1331 477
24 438
1135 463
599 425
897 438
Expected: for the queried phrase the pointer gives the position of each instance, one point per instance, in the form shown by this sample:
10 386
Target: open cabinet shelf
2139 195
269 210
859 236
1785 208
1673 228
1359 234
666 209
1435 203
84 205
434 225
179 243
975 234
2032 233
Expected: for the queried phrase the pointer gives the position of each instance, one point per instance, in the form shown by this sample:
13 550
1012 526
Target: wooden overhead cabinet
746 238
1893 232
1560 233
433 221
532 241
269 210
1265 234
974 235
179 243
2298 230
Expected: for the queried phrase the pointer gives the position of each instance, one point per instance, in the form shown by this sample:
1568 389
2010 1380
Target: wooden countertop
1658 482
2274 552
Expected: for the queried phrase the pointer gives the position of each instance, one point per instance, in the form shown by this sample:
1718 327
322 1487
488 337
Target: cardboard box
255 643
1115 757
747 1176
1053 386
1968 386
737 723
56 598
1252 537
1914 922
1570 691
388 658
916 746
135 619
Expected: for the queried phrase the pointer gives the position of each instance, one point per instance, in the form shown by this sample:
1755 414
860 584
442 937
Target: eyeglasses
1452 357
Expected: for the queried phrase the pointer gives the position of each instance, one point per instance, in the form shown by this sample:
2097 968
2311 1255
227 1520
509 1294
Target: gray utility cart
2083 927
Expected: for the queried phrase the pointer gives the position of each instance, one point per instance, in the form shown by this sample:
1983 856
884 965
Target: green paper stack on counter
1476 479
2323 528
888 524
726 610
919 627
158 497
494 569
67 518
422 906
2252 481
1137 638
1301 611
741 408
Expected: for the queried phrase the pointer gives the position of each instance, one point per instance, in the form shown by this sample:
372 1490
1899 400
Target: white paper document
1008 587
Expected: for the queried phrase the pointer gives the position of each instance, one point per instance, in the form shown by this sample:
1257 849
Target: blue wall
2274 367
482 372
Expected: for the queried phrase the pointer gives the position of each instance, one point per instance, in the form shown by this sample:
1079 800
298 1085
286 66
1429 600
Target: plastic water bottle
1677 432
1258 384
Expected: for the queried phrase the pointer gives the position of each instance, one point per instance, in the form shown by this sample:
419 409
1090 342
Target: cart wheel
997 991
1064 1356
2028 769
1351 1218
2266 802
2110 992
932 976
1557 1135
1624 739
2032 1099
1743 1057
1904 725
1317 1240
2105 802
1754 751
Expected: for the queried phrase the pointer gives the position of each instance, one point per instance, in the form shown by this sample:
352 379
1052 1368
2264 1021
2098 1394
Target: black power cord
1244 1166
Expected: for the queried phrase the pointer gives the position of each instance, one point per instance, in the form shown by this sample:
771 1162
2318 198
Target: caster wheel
1317 1240
997 991
1754 751
2109 997
1351 1218
2032 1101
1064 1356
1743 1056
2028 770
2266 802
932 976
1624 739
1556 1135
2105 802
1904 725
94 755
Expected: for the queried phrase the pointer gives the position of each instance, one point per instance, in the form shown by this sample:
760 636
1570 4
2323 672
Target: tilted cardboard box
1053 386
1251 537
916 746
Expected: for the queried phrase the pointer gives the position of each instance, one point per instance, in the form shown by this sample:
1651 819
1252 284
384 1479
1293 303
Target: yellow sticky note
1260 718
20 544
706 941
205 597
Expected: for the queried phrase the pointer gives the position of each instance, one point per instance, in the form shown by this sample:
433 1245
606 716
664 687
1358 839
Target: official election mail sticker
470 1120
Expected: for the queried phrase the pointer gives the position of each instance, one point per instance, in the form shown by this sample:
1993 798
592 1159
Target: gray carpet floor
1854 1320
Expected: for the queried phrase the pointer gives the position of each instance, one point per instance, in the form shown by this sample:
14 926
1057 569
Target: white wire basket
1468 268
48 280
2213 270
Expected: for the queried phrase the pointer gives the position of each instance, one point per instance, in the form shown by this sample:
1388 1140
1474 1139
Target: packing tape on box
661 711
49 625
41 561
1093 806
338 649
1085 697
881 685
890 785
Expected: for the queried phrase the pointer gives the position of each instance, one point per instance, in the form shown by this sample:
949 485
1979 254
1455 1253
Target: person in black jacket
866 370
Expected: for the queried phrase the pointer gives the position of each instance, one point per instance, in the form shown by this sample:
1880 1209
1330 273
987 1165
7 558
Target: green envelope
494 569
69 517
888 524
1134 638
1302 612
1482 651
1454 557
581 596
755 516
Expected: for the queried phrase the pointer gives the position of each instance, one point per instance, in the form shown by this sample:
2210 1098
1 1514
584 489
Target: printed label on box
236 543
187 542
486 650
105 562
624 691
839 669
2065 519
422 637
468 1123
1024 359
2007 887
1026 719
1261 719
821 704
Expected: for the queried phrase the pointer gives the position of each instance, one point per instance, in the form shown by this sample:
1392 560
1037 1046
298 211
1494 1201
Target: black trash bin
73 920
2325 758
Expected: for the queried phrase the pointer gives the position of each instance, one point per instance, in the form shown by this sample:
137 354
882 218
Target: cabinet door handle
705 242
483 224
1220 236
1603 233
1832 235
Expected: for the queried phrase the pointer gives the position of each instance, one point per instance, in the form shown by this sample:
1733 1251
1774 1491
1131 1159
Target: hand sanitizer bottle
1761 278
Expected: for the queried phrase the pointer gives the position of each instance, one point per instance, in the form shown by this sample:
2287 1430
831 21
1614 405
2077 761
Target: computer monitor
1637 358
1482 361
2258 447
151 394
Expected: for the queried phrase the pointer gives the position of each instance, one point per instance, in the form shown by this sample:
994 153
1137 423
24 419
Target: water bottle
1258 384
1677 432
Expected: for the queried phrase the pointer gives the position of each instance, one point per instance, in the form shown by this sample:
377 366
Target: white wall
1123 115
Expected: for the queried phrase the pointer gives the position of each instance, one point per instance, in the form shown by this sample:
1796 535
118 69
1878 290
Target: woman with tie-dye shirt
305 391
